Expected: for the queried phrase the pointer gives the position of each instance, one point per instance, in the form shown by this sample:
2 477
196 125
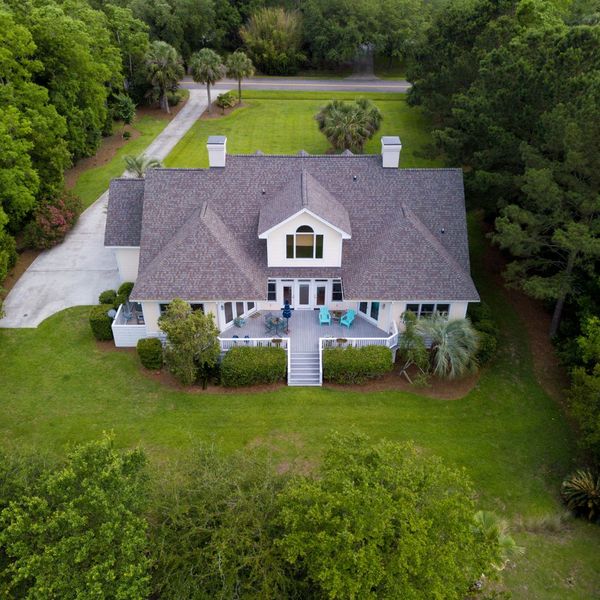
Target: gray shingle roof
303 192
124 215
211 251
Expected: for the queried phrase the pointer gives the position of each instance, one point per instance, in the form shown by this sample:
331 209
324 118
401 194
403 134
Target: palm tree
348 126
454 344
239 67
207 67
164 71
138 165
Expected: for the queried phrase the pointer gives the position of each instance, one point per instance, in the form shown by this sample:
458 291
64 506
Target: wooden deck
305 331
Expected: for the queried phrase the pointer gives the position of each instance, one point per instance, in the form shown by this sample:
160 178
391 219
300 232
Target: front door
303 294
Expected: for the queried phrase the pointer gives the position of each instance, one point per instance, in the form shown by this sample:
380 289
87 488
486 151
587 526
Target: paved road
350 84
75 272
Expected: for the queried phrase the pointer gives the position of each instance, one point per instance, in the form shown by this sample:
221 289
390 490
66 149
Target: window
228 306
427 310
369 309
272 291
304 243
197 306
375 310
336 291
250 306
163 308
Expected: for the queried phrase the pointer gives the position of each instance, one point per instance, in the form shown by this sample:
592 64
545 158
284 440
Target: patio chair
324 316
348 318
246 339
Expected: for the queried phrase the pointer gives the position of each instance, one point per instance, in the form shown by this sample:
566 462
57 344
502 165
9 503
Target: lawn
283 122
59 387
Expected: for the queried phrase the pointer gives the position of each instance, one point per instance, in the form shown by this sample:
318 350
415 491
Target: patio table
336 315
278 323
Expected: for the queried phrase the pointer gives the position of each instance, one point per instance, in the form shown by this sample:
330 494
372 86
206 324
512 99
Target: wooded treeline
513 88
381 520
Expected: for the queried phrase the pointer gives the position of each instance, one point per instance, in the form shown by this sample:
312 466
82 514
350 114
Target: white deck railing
126 333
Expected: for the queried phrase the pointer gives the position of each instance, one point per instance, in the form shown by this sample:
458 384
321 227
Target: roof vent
216 147
263 192
390 151
303 153
354 177
347 153
442 230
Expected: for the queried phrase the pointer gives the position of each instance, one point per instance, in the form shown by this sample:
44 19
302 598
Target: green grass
283 122
60 387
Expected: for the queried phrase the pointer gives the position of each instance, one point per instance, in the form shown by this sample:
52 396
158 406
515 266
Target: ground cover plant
269 121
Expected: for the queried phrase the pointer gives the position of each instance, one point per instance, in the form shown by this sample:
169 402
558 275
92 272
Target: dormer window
305 243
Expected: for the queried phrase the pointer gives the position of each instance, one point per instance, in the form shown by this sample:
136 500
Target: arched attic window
305 243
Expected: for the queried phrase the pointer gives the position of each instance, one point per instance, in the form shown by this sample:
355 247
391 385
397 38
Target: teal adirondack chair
348 318
324 316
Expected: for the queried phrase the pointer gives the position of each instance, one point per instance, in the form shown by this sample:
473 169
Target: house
254 231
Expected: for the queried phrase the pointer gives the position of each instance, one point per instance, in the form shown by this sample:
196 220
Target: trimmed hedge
248 365
101 323
107 297
150 351
356 365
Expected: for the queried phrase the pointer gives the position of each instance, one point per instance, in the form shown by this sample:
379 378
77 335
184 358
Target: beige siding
151 312
128 261
332 244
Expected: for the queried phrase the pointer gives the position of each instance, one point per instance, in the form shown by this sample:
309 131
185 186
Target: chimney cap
217 139
390 140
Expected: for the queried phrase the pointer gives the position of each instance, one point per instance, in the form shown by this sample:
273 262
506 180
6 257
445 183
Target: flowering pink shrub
52 220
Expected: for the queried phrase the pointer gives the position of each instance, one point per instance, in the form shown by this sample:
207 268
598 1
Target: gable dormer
304 225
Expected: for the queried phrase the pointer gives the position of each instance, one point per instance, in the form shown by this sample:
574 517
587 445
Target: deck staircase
304 369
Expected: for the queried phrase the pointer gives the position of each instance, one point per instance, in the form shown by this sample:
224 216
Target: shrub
123 293
253 365
174 98
488 345
356 365
150 352
226 100
107 297
52 220
581 493
101 323
126 135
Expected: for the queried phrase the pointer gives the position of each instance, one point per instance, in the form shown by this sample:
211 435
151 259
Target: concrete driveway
76 271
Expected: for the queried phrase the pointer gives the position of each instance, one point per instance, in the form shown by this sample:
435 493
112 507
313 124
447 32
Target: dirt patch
549 372
439 389
111 144
217 113
24 260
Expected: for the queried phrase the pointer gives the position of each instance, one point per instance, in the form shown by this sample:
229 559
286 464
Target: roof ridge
303 188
